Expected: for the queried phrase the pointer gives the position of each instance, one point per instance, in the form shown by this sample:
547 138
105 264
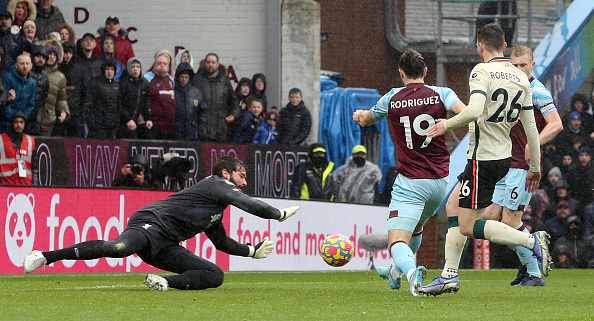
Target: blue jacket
265 134
25 96
247 125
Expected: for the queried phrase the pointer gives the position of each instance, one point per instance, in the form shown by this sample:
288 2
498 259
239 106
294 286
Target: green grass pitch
336 295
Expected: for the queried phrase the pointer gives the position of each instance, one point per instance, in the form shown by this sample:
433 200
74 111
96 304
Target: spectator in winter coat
574 129
77 86
161 94
573 250
108 52
242 93
579 103
220 100
22 10
581 177
48 18
247 123
295 120
12 40
104 111
188 105
123 46
258 89
184 55
267 133
135 121
85 55
39 57
17 80
357 180
56 103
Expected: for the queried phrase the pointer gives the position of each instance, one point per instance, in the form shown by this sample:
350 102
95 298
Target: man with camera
133 174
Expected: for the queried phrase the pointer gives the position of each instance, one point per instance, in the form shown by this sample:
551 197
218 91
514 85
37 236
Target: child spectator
104 111
135 120
267 133
247 123
184 55
242 92
188 104
294 121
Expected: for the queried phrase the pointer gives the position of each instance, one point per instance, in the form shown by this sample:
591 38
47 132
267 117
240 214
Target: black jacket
104 110
307 182
294 124
220 103
189 104
135 98
41 91
77 83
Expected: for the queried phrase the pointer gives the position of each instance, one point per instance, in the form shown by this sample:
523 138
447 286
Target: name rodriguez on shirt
415 102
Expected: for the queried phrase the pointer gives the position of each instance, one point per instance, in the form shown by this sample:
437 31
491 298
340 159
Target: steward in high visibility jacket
313 179
18 157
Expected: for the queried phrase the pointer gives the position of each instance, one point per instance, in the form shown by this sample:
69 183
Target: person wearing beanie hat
30 31
136 120
358 179
161 94
56 103
189 103
123 46
267 132
579 105
103 116
313 179
222 105
19 155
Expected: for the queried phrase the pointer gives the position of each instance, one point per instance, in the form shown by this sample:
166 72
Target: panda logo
19 230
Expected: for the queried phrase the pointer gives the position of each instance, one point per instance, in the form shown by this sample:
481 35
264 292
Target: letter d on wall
77 14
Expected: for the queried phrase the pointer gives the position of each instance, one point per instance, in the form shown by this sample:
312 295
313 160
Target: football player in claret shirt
155 231
500 96
423 167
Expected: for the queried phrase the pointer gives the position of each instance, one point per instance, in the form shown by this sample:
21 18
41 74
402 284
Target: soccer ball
337 250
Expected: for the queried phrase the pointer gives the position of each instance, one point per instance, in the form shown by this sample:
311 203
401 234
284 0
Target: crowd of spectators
564 204
94 87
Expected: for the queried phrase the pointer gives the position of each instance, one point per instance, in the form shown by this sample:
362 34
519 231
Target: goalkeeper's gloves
262 249
287 212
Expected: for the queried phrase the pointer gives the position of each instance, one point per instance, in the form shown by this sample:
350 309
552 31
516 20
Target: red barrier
53 218
481 255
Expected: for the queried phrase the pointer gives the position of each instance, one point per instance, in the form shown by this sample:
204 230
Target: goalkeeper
155 231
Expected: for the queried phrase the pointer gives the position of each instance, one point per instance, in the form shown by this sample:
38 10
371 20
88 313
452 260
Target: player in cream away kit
500 96
155 231
510 198
423 163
